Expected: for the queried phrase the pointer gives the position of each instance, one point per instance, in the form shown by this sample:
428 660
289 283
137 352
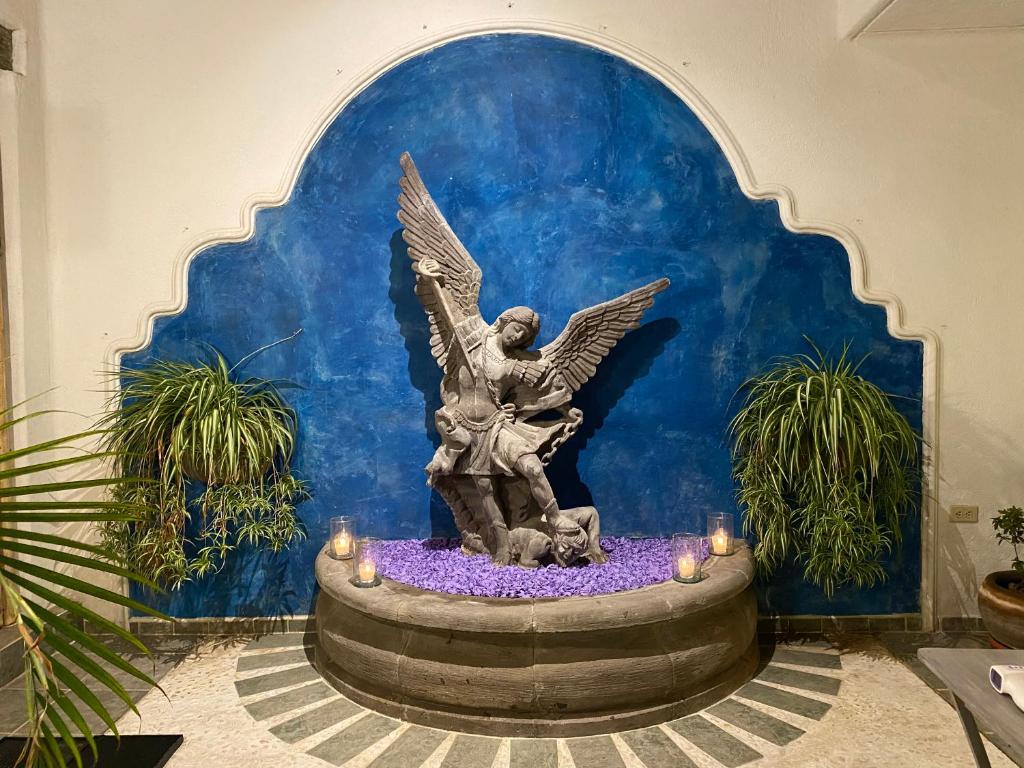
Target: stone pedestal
538 667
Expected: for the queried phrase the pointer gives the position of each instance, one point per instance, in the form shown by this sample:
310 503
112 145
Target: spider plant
826 468
60 656
210 444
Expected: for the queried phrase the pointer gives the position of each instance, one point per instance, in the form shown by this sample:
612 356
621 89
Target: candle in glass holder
340 544
719 543
365 563
685 567
687 555
720 540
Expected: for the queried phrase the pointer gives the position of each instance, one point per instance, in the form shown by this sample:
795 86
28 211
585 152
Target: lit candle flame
720 542
342 544
686 566
367 571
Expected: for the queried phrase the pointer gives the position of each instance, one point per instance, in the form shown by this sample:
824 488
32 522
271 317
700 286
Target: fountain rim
404 604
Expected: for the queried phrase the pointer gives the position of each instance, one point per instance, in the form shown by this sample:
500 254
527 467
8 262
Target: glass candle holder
720 533
343 538
364 563
687 556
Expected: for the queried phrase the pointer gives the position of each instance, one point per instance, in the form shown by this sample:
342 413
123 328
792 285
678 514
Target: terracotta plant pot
1002 608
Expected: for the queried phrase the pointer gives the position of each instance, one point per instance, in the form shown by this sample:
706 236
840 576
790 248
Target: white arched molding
672 80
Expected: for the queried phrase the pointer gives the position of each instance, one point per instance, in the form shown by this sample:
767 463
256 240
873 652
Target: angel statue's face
514 335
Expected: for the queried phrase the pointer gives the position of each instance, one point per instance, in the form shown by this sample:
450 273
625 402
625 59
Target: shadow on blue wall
630 360
572 177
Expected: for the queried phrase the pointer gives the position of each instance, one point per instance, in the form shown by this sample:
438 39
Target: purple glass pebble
439 565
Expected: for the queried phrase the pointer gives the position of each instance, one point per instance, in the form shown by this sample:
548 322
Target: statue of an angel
506 409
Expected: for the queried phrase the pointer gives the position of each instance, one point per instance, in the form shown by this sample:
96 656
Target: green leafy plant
1009 527
60 657
826 469
208 443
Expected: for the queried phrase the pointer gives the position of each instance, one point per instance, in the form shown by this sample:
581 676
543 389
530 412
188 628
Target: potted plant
214 451
1001 596
41 573
826 468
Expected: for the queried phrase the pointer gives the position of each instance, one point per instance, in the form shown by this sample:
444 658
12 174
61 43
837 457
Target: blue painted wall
571 176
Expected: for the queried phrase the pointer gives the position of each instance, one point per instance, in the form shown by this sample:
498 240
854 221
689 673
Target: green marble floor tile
796 679
114 705
791 702
721 745
595 752
807 658
360 735
411 749
756 722
12 708
534 753
274 680
155 668
471 752
315 720
286 702
656 750
275 659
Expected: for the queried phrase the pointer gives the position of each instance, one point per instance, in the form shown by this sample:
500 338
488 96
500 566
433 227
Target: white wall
162 118
22 164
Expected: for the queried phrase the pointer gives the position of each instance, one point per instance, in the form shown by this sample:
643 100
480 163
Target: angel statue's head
518 327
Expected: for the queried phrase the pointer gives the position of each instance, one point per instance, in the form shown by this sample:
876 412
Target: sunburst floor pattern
282 691
260 704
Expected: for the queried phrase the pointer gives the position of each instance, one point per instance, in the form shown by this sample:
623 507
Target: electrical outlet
963 513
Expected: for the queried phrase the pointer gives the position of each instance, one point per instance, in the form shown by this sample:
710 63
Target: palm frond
39 581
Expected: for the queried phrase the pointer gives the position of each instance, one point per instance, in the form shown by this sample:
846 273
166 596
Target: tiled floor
282 692
166 654
259 704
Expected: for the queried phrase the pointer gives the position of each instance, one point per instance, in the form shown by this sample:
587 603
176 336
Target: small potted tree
1001 596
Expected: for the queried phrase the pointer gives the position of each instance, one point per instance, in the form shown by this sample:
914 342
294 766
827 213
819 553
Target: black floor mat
129 752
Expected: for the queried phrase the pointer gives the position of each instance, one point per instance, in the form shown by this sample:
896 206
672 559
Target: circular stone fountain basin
568 666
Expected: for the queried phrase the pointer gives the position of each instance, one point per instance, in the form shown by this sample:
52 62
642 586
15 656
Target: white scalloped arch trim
672 80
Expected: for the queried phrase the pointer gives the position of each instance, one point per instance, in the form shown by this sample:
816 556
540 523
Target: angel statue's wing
591 333
450 297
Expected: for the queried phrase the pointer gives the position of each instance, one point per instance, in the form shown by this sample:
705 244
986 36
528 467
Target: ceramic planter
1002 608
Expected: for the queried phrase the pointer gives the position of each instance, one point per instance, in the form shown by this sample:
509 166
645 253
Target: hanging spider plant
826 467
211 444
60 657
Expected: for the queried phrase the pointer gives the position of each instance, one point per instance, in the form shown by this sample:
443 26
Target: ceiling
940 15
